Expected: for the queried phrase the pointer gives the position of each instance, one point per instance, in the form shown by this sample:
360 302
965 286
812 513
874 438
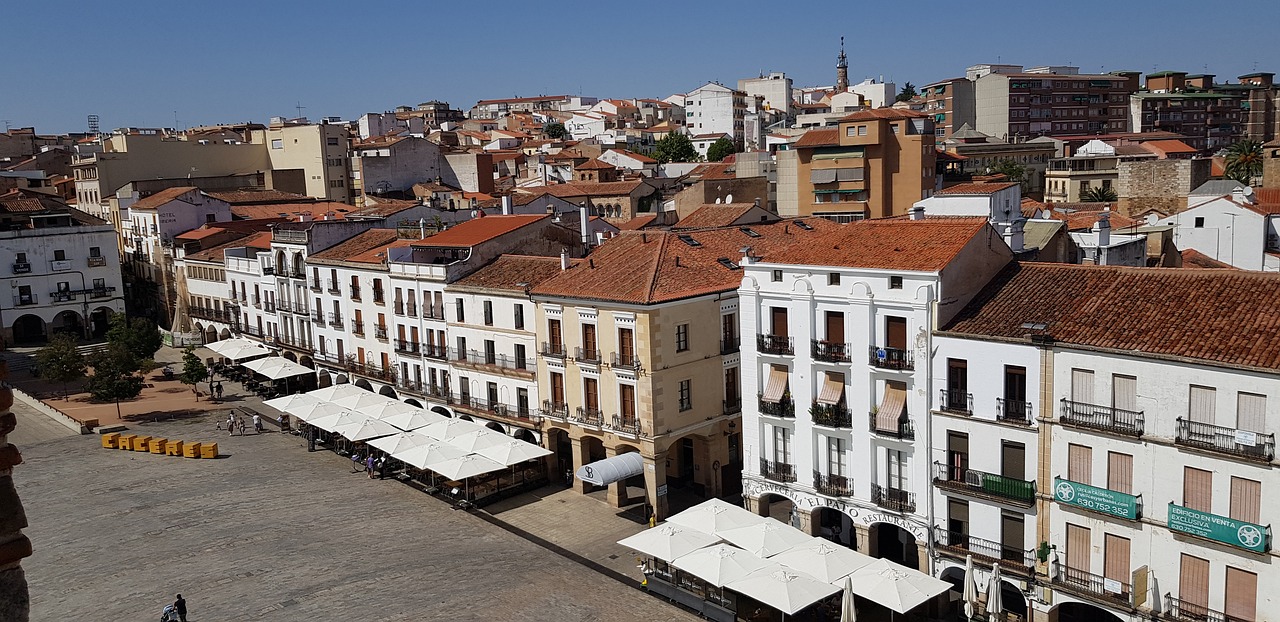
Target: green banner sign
1096 499
1247 536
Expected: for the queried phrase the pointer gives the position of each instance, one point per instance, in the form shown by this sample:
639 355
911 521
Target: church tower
842 70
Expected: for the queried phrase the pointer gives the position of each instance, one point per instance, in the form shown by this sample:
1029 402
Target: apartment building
949 104
1096 164
498 108
874 164
64 273
1010 102
980 154
213 305
1188 105
774 88
716 109
318 150
1233 226
866 296
1155 446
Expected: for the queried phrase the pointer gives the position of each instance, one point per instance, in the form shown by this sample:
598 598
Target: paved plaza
271 531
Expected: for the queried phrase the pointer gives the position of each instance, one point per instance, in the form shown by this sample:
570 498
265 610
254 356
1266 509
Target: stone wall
1161 185
15 603
1271 167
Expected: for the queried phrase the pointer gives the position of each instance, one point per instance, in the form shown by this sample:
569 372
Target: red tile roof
1267 195
637 223
589 189
594 164
892 244
978 188
360 248
888 114
716 215
1192 258
316 210
1171 146
819 138
476 231
1032 208
508 271
199 234
639 157
260 241
241 197
162 197
1217 316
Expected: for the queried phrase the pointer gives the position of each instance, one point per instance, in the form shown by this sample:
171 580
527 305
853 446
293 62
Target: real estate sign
1247 536
1096 499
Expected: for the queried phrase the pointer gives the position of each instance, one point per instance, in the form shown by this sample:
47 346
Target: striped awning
776 385
892 405
832 389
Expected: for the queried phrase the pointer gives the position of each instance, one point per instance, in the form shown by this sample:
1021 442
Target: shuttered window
1080 464
778 321
1197 489
1120 472
781 445
1203 402
1251 412
1124 392
1082 386
1242 595
1246 500
1193 582
1115 564
1077 547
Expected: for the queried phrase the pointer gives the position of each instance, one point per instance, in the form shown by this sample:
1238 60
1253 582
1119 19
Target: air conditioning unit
973 478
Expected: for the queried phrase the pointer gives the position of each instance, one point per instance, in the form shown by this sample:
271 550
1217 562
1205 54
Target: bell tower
842 70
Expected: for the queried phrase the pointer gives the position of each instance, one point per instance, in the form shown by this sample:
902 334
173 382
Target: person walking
231 425
181 606
257 423
368 465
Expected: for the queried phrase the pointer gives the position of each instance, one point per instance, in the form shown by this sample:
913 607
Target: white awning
238 349
897 587
892 405
832 389
776 385
822 176
610 470
276 368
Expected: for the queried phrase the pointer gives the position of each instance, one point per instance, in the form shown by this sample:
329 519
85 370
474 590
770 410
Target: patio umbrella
317 410
765 538
476 440
469 465
449 428
367 428
425 455
847 611
713 516
822 559
970 595
332 423
330 393
720 564
238 348
389 407
783 589
513 452
413 420
362 400
995 599
283 404
894 586
400 442
276 368
667 542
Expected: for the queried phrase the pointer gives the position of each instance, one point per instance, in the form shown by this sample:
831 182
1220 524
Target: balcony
315 286
435 352
1184 611
295 343
298 274
399 305
1105 418
357 327
269 306
552 350
95 262
21 268
1013 411
626 360
1230 441
624 424
493 359
335 320
1088 584
257 302
893 499
380 331
957 402
588 416
404 347
902 430
554 410
983 484
355 293
25 300
379 297
830 352
831 415
777 471
585 355
782 408
411 310
334 288
318 319
890 358
62 296
958 545
729 345
773 344
731 407
217 315
832 485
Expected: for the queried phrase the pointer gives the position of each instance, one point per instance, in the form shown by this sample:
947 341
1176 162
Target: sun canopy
714 516
721 564
238 349
776 386
276 368
765 538
832 389
474 441
897 587
331 393
400 442
283 404
469 465
335 422
425 455
668 541
313 411
610 470
513 452
822 559
783 589
892 405
362 400
413 420
449 428
367 429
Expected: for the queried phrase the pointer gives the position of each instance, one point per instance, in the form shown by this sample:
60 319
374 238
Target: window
1115 558
835 456
589 341
682 337
862 130
686 396
1120 472
1202 404
99 284
557 389
781 445
488 313
591 394
1199 224
332 141
1078 547
94 251
833 278
1193 581
1246 499
896 469
626 346
777 276
1197 489
1242 595
461 312
277 143
895 282
519 321
1251 412
1080 464
21 258
59 255
852 130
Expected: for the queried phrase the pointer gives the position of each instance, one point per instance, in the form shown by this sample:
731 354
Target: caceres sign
1097 499
1248 536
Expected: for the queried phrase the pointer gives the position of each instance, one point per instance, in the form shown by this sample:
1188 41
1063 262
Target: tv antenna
6 125
300 108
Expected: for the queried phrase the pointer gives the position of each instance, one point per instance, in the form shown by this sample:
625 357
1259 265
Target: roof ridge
657 264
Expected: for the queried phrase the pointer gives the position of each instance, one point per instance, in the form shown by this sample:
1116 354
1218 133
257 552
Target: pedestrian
231 425
368 465
181 606
217 390
257 423
244 426
382 466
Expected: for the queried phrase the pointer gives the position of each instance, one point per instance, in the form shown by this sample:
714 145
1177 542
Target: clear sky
136 62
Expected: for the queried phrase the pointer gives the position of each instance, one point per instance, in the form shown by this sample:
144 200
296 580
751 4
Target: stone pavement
35 427
272 531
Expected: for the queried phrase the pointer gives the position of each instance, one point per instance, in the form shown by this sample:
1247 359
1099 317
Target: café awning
892 405
276 368
238 349
610 470
895 586
776 386
832 389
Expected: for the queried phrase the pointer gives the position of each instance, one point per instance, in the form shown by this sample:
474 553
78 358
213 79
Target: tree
1099 194
1244 161
908 91
113 376
1013 171
139 336
193 370
720 149
675 147
555 130
61 361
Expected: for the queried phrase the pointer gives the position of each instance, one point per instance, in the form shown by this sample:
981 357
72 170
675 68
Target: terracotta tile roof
978 188
819 138
1217 166
713 171
1267 195
721 215
1171 146
948 156
241 197
716 136
316 210
1083 218
892 244
639 157
373 142
360 248
199 234
260 241
382 207
637 223
594 164
589 189
1032 208
476 231
21 205
1192 258
888 114
508 270
162 197
1218 316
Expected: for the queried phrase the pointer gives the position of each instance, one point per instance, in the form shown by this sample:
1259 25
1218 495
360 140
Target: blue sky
136 62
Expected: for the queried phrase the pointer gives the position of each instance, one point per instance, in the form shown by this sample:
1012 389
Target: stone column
655 476
807 523
922 555
863 539
579 459
15 603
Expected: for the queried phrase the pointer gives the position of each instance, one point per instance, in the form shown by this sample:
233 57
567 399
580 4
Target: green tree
1013 171
675 147
1244 161
61 361
139 336
193 370
1099 194
555 130
720 149
113 376
908 91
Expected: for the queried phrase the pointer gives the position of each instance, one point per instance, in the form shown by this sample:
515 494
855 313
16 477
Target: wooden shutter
1077 547
1080 464
1013 535
626 345
1124 392
1246 500
589 339
1013 460
557 388
1193 582
1115 553
553 333
1203 401
1251 412
1197 489
958 512
835 327
1120 472
1242 595
895 329
628 400
591 393
1082 386
778 321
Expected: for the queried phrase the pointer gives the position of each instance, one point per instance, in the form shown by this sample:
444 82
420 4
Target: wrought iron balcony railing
1231 441
1098 417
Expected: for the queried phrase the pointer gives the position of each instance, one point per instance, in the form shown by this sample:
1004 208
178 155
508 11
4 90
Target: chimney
1104 228
422 228
304 217
1013 235
584 225
506 205
917 212
564 259
756 202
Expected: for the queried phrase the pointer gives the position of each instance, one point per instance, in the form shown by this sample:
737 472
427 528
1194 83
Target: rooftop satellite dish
717 200
1248 191
728 198
475 212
